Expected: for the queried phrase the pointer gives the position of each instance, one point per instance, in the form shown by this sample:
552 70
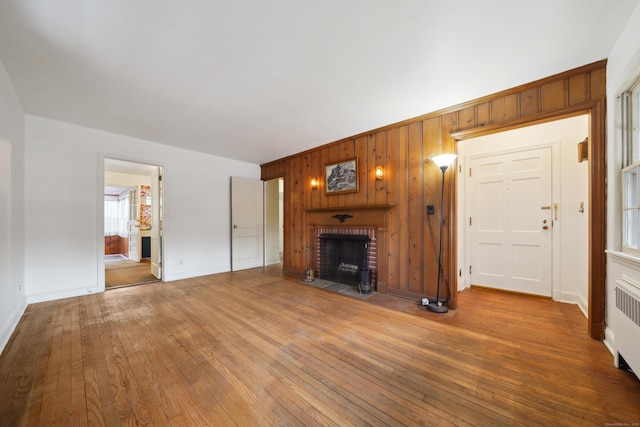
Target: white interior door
247 223
510 201
156 223
133 226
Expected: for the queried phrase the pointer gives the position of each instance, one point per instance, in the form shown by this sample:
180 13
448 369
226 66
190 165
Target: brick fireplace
369 221
352 240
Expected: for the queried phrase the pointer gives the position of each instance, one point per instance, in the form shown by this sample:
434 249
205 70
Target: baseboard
197 273
61 294
11 323
584 306
609 340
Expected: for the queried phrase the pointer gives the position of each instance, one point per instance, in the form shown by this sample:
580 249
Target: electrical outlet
431 210
19 288
181 262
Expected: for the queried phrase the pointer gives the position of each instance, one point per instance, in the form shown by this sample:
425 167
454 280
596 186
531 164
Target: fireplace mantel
370 216
359 216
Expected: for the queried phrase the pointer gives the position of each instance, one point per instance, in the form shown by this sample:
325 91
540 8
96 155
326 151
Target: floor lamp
443 161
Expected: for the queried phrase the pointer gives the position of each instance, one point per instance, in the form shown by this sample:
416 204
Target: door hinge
469 171
469 270
469 221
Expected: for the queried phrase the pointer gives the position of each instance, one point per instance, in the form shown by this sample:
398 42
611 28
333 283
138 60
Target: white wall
571 281
64 193
623 68
12 300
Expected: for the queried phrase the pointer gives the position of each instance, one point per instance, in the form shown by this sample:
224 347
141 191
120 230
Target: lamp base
434 307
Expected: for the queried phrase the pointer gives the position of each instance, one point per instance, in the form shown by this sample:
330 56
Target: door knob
545 227
235 226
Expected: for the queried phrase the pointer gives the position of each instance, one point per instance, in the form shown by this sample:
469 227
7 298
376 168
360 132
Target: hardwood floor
256 348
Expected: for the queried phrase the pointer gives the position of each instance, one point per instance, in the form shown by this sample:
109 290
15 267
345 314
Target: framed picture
341 177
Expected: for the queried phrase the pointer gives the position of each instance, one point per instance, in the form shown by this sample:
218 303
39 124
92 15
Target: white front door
511 214
156 223
247 219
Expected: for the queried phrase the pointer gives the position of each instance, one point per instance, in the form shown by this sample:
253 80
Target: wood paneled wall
116 245
412 182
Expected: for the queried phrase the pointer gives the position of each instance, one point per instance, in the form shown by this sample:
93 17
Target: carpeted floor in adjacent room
125 272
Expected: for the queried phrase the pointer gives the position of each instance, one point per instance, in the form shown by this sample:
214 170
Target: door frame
597 148
464 213
102 156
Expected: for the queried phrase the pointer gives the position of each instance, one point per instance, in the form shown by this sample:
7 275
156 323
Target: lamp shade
444 160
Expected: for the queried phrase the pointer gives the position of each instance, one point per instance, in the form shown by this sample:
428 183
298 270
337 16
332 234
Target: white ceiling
131 168
258 80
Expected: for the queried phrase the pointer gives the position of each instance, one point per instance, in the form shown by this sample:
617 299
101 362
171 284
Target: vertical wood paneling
361 148
432 146
449 279
467 118
404 210
410 184
298 247
553 95
369 177
394 178
315 172
597 219
349 151
380 159
334 154
598 87
448 146
416 202
578 89
529 101
505 108
483 114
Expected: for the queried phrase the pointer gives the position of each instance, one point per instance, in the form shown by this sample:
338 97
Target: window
630 123
116 215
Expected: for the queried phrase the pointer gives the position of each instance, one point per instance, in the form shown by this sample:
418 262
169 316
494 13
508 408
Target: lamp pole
443 161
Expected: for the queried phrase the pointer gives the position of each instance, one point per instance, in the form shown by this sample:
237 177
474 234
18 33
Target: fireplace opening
344 259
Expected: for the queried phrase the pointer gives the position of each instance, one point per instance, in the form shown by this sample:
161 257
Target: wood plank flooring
256 348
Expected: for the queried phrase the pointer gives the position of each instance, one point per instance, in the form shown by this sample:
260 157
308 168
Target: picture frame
341 177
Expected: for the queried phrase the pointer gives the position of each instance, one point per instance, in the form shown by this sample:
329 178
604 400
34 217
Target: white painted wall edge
12 322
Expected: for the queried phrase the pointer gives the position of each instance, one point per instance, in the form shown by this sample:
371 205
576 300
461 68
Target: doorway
273 221
567 213
133 223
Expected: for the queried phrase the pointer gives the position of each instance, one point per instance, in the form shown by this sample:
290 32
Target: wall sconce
314 183
379 172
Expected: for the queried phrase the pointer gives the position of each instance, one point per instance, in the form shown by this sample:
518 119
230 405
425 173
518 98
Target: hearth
344 259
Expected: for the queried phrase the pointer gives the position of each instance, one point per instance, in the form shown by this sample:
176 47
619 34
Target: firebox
344 259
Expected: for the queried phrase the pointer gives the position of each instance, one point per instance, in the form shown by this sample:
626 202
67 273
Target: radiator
627 322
